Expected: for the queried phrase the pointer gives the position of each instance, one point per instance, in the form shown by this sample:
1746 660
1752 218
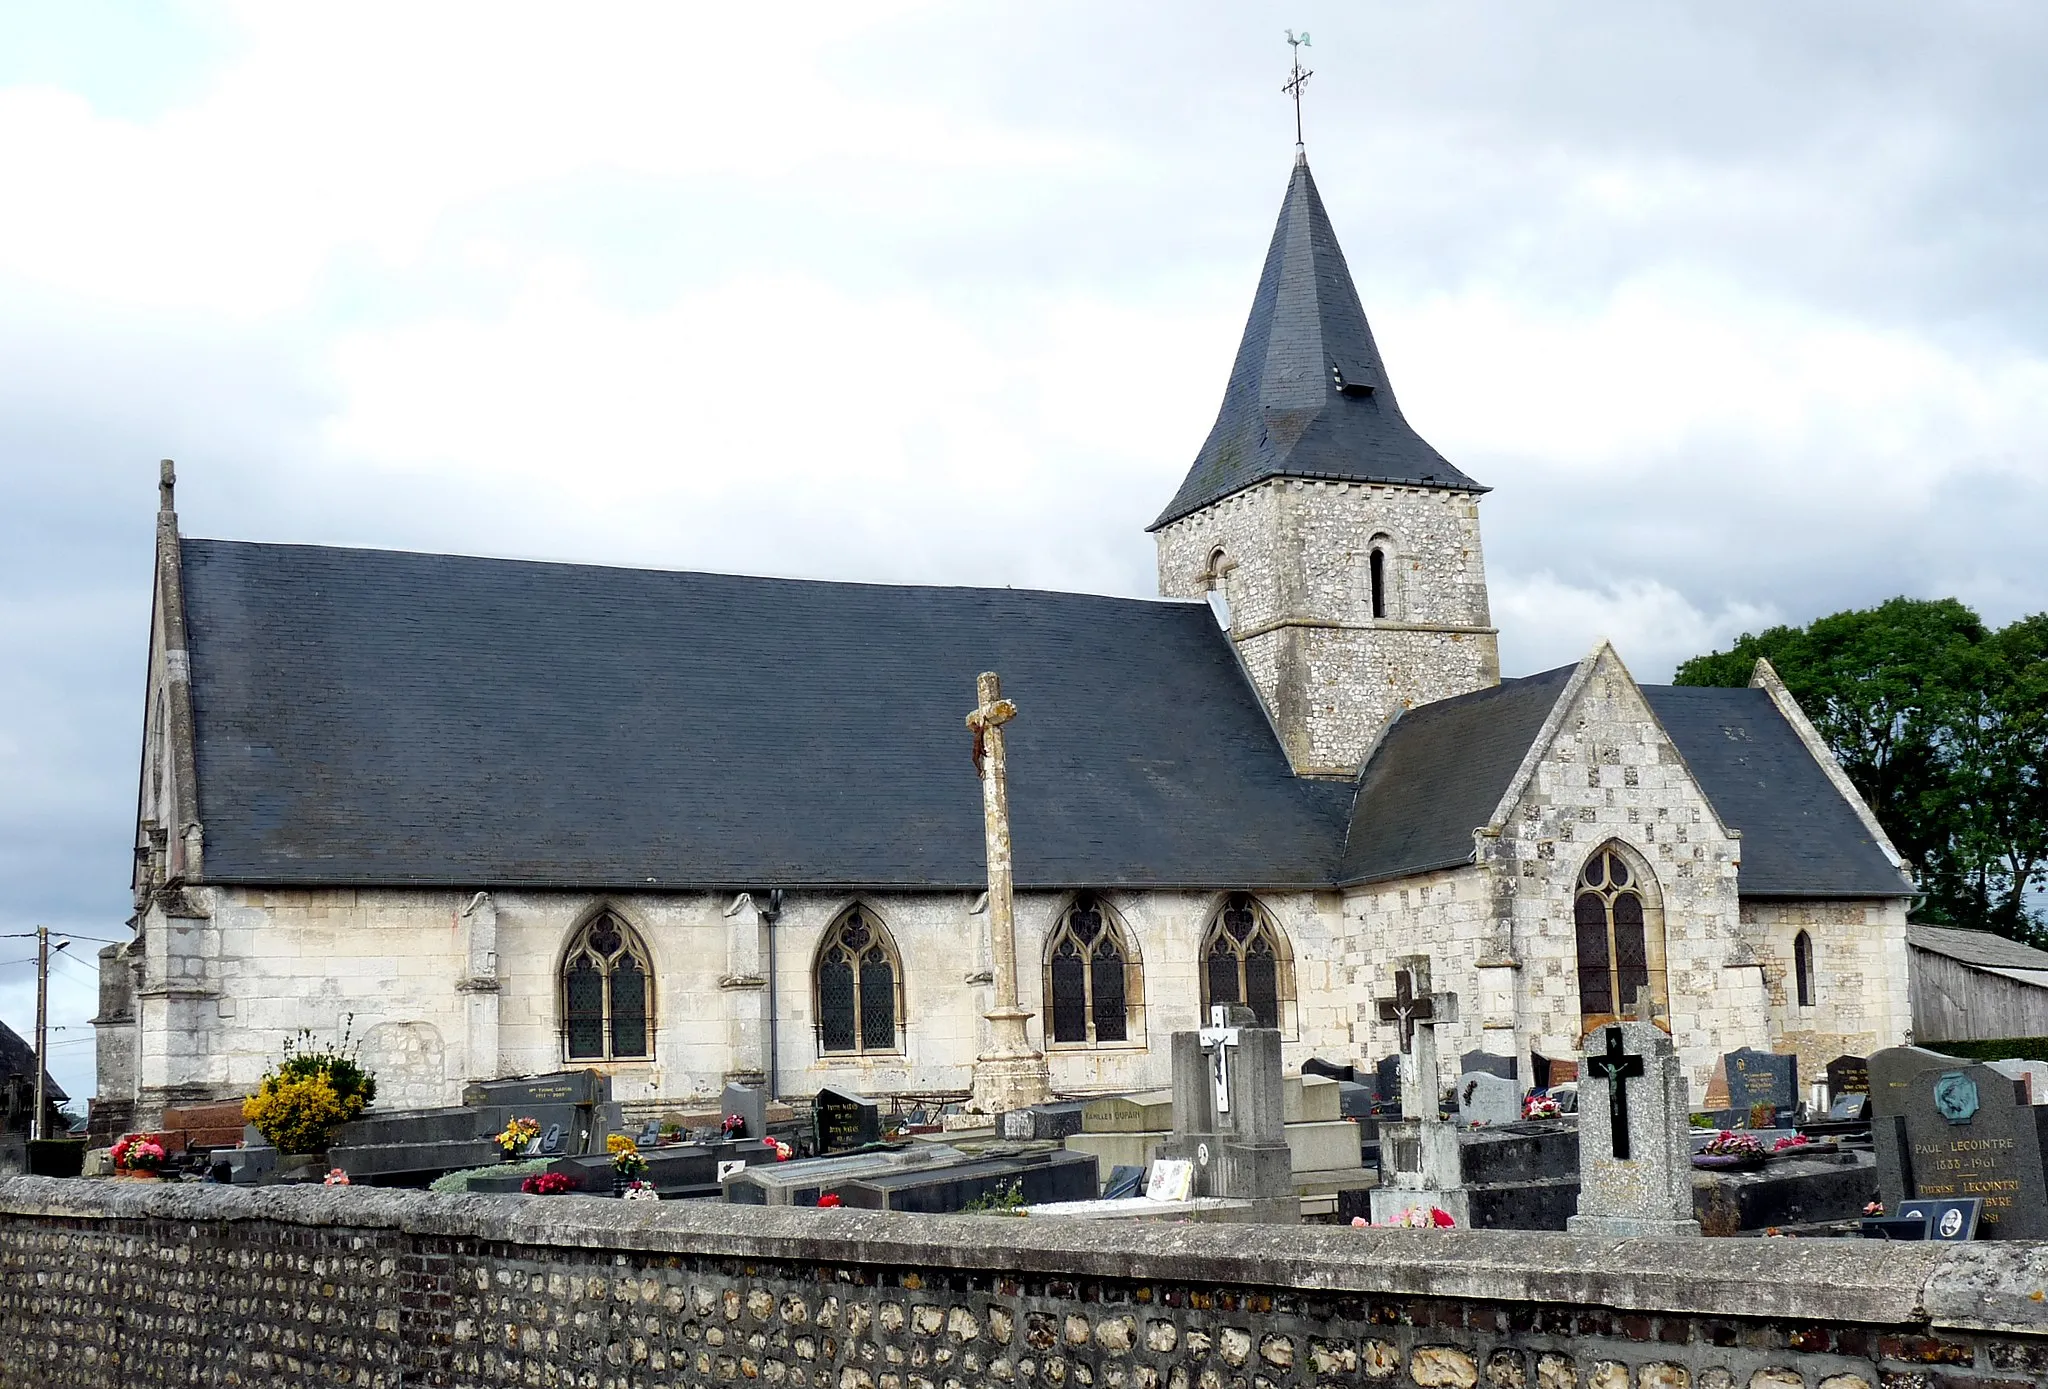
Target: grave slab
802 1181
1635 1149
1151 1112
1041 1121
1968 1130
1487 1098
1055 1175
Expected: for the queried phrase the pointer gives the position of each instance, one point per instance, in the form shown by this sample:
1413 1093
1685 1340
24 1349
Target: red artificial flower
1441 1218
828 1200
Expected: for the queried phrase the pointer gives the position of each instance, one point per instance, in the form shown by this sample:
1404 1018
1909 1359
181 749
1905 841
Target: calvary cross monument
1012 1073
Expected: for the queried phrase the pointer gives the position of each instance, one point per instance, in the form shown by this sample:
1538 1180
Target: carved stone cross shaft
1217 1039
1616 1067
1007 1022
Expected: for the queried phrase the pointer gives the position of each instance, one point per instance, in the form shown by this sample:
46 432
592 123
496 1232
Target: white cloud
1546 622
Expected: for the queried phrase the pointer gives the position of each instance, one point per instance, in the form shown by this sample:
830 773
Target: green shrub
1995 1049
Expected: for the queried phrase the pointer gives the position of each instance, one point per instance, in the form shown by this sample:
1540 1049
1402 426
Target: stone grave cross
1417 1013
1616 1067
1012 1074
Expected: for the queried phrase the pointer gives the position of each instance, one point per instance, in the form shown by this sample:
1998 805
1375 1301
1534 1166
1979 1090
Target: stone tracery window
1244 960
1620 938
1802 965
607 995
1091 983
858 985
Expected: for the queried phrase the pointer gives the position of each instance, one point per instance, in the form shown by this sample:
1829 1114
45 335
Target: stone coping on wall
1993 1286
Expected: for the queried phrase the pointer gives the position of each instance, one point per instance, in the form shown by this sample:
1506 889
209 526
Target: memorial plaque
527 1092
1151 1112
1969 1132
1761 1077
1173 1179
1486 1098
845 1120
1851 1108
1949 1221
1848 1075
1477 1061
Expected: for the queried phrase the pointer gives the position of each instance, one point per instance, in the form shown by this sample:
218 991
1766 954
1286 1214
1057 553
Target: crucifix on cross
1616 1067
1405 1010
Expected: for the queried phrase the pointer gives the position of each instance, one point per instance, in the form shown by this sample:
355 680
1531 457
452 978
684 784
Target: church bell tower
1339 548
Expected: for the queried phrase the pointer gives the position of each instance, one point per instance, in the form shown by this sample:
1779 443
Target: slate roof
1442 768
1799 837
1438 774
18 1058
1308 395
367 716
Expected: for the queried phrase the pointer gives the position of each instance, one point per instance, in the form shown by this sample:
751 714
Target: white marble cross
1217 1039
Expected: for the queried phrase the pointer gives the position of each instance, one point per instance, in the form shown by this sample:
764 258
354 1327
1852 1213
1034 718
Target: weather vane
1294 82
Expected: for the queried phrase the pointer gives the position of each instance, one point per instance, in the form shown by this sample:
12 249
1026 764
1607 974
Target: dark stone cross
1404 1009
1614 1067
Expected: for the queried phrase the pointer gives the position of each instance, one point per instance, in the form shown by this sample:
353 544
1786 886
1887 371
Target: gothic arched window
1091 979
1620 938
1244 960
859 986
1802 965
607 994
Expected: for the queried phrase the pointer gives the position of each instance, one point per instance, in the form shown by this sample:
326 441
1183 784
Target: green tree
1939 724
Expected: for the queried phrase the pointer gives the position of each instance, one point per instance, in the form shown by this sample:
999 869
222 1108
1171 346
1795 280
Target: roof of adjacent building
369 716
1308 395
1982 950
18 1058
1438 775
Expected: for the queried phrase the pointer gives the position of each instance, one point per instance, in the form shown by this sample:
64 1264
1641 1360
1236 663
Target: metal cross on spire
1295 80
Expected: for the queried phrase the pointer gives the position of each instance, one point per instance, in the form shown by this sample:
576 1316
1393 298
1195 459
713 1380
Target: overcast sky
1738 308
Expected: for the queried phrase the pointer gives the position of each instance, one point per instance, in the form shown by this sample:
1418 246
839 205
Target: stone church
691 827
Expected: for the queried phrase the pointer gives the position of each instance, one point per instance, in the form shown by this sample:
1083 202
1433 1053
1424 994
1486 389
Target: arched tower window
1092 983
1216 584
1379 580
859 986
1620 937
1244 960
1378 564
607 994
1802 965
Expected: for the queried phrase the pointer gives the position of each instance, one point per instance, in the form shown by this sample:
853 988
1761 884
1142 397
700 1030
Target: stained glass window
1241 961
607 994
857 986
1620 949
1086 970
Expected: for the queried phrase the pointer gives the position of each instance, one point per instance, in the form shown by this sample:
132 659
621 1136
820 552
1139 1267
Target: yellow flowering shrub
298 1113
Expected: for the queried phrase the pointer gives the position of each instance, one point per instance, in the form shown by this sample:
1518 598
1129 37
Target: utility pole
35 1128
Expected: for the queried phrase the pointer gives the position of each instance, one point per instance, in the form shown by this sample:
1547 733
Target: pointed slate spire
1308 396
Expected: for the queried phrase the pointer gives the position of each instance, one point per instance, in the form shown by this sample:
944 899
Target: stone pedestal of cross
1012 1073
1635 1151
1420 1164
1229 1114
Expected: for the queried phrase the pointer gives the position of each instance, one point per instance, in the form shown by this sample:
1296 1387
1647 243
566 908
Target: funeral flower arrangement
140 1152
783 1152
1541 1107
626 1159
1786 1145
547 1184
310 1093
1728 1143
640 1191
518 1133
335 1177
1435 1218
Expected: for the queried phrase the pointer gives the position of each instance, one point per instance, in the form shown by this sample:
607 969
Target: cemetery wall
142 1284
1860 986
444 988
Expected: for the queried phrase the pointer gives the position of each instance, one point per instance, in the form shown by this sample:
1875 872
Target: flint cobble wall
120 1283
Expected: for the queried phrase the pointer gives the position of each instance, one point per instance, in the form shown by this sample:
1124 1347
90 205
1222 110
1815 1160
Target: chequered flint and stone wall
129 1284
1294 567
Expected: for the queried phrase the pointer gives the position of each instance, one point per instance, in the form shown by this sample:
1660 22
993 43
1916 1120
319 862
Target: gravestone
1848 1075
1316 1066
1420 1166
1387 1083
1475 1061
1035 1178
1123 1182
802 1181
1852 1107
1151 1112
1487 1098
1968 1130
1041 1121
2033 1073
1635 1154
1761 1077
1229 1105
1891 1076
527 1092
845 1120
750 1105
